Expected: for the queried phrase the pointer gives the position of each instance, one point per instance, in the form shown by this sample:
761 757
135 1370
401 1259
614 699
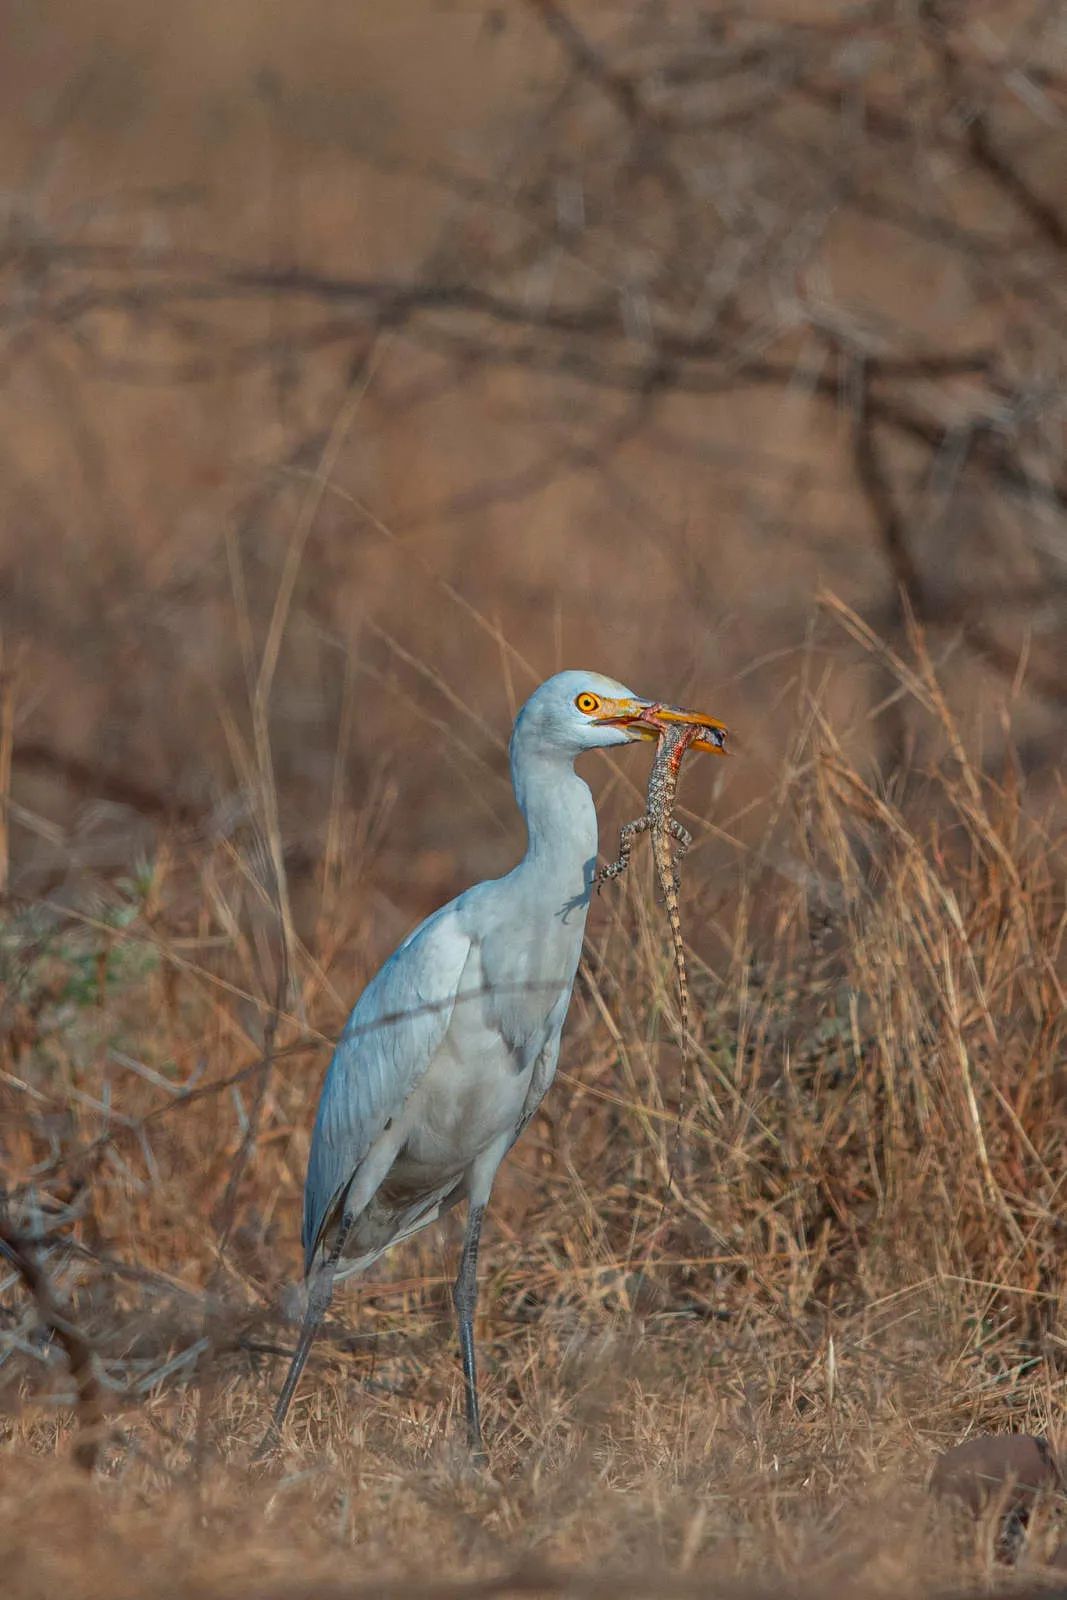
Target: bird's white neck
560 818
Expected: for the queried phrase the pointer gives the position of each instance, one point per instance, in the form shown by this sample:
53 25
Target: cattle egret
453 1044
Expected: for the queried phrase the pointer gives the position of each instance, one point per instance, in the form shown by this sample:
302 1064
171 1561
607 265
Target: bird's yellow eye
587 703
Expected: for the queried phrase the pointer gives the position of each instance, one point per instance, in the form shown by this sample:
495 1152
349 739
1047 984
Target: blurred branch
875 479
7 742
90 1408
85 1157
90 780
622 91
261 1076
987 155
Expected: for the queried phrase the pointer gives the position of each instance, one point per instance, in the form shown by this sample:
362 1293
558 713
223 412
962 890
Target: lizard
670 841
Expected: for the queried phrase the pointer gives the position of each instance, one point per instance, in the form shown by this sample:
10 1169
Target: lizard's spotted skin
670 841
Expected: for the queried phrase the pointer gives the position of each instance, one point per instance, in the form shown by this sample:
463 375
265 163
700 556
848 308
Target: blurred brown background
513 338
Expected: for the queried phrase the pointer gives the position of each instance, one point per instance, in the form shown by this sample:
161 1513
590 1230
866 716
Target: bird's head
576 711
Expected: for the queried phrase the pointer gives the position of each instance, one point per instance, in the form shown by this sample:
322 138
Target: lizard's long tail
686 1044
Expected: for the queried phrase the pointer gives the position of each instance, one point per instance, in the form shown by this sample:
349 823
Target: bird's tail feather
419 1215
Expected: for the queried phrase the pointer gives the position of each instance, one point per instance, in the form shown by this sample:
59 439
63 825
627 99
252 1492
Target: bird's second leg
465 1298
628 833
319 1297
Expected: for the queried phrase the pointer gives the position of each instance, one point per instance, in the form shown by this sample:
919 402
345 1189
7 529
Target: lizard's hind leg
682 839
627 835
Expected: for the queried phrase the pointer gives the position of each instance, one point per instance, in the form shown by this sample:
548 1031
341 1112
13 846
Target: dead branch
90 1407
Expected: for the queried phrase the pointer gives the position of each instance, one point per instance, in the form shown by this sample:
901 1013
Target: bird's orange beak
646 719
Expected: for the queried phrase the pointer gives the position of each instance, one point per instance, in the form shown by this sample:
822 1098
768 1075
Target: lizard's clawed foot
681 836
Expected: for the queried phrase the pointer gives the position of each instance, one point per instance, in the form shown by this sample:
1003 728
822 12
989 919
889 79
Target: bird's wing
545 1064
389 1041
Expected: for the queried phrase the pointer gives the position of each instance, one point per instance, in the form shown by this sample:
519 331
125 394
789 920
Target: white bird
453 1044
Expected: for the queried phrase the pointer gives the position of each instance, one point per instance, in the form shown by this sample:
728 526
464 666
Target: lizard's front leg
627 835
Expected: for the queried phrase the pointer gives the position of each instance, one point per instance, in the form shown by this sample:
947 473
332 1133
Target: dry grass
863 1262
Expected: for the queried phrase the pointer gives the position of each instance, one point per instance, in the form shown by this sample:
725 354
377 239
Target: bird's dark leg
319 1297
464 1297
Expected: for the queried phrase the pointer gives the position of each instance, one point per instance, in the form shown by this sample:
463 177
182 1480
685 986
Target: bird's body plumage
454 1042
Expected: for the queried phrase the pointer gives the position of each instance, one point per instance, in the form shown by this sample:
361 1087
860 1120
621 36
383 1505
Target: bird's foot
267 1453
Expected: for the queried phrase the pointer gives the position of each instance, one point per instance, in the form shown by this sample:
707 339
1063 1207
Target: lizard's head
688 730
